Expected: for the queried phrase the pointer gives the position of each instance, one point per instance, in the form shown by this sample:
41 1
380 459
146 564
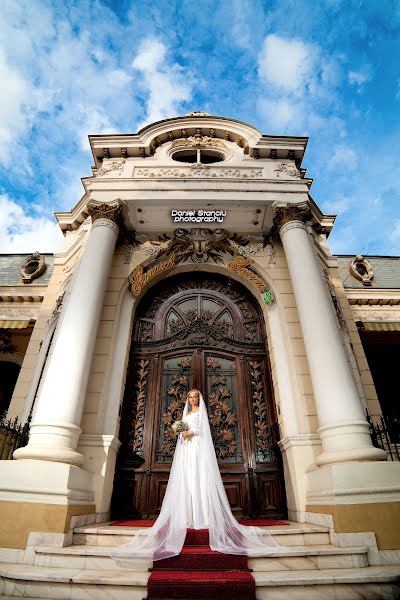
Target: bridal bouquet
178 427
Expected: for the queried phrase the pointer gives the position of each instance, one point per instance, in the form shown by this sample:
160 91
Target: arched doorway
205 331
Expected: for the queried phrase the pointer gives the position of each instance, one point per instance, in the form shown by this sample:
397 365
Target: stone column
343 430
55 429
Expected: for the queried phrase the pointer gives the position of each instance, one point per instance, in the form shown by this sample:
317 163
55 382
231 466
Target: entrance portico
273 242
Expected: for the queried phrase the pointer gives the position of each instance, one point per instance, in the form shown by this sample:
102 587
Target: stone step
21 580
297 558
294 534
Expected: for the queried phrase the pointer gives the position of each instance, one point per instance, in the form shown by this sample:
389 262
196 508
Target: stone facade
273 239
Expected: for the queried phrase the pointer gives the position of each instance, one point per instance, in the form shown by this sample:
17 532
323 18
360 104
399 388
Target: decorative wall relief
115 166
360 268
286 169
198 141
198 171
33 267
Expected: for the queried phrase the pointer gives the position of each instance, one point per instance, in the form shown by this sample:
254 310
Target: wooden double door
207 333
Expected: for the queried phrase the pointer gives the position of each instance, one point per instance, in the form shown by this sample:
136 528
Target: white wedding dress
195 498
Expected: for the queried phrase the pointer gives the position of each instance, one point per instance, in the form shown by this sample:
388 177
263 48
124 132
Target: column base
40 496
347 442
298 451
361 497
55 442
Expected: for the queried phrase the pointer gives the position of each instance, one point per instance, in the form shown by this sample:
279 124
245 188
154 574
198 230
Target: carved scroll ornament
105 210
286 214
239 265
33 267
360 268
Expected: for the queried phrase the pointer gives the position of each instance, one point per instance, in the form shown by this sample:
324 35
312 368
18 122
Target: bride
195 498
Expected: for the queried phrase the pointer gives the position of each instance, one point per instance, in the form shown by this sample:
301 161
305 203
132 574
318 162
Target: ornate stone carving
287 170
33 267
286 214
197 113
376 315
110 167
335 300
57 308
111 211
198 171
360 268
22 314
239 265
198 141
200 245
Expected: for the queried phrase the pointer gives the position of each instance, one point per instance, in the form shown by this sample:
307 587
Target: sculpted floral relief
222 415
136 431
112 166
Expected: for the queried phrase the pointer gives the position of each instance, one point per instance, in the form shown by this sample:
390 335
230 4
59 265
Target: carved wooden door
206 332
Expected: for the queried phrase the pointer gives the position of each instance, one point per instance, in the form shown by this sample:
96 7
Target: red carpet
199 573
149 523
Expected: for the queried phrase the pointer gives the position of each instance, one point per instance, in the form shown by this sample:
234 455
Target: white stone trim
105 223
292 225
305 439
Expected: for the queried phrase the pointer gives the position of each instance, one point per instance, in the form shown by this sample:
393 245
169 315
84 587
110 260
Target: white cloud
287 63
360 77
337 206
395 233
20 232
167 84
13 105
344 159
283 113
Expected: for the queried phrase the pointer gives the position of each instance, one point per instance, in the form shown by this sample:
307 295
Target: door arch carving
199 330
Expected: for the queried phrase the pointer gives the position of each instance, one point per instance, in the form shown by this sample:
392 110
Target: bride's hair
193 390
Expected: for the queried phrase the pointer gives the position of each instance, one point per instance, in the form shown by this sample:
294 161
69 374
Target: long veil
167 536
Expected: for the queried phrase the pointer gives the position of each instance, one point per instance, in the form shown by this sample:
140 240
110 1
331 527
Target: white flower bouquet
178 427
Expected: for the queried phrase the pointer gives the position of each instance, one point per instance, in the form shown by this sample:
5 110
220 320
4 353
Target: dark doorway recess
382 349
8 378
204 331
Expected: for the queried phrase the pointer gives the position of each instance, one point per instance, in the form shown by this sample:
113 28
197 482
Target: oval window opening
204 157
207 158
189 156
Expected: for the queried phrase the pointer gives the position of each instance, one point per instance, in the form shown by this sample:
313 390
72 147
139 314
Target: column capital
110 211
290 213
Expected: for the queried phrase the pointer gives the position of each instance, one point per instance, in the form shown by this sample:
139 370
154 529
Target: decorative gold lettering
138 278
239 264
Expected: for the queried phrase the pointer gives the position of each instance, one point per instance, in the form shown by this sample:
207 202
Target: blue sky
329 70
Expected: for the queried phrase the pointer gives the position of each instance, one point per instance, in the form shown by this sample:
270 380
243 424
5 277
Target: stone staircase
313 569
